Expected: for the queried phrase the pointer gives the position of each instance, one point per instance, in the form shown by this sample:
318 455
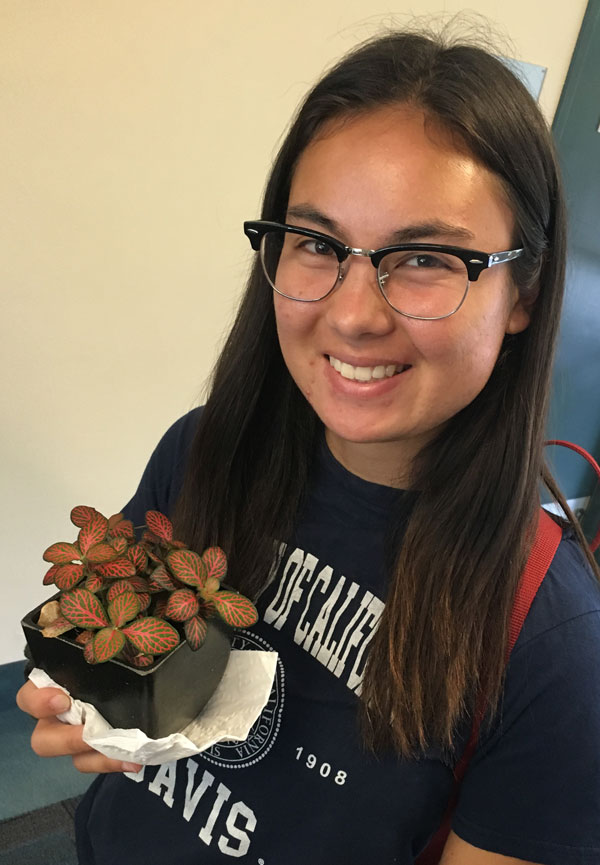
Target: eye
422 259
314 246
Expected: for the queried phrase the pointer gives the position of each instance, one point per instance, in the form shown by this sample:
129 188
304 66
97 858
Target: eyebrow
433 228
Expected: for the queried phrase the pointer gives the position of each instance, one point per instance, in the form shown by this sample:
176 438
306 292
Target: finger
94 762
42 702
52 738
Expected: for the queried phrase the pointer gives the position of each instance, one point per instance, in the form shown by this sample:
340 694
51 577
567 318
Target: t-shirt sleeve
161 481
532 790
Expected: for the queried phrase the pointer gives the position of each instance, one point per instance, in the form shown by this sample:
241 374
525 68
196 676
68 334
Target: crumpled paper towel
230 713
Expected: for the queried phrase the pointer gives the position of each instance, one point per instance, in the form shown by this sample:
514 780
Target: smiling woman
377 419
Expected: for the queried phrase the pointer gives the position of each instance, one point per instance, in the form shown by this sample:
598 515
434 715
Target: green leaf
188 567
68 576
235 610
195 632
124 608
107 643
119 545
81 514
50 574
119 569
83 609
182 605
216 563
117 588
162 578
152 636
61 553
123 529
88 652
94 583
101 553
159 525
137 555
92 533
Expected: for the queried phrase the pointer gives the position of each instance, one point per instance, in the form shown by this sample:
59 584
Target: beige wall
136 135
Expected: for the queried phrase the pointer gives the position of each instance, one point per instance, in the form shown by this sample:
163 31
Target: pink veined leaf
195 632
216 563
81 514
139 584
107 643
188 567
94 583
119 569
150 538
234 609
113 520
178 545
123 529
137 555
117 588
152 636
57 627
83 609
92 533
88 651
182 605
141 660
144 599
159 525
84 637
123 609
162 578
100 553
68 576
119 545
50 574
62 553
160 608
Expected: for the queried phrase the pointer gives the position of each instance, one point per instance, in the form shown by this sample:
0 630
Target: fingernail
60 703
130 767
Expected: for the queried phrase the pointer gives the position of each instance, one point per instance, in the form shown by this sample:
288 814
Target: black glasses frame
474 260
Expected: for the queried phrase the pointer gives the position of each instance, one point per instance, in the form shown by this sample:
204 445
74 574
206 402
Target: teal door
575 407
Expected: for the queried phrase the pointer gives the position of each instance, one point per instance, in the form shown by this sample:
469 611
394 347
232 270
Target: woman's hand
53 738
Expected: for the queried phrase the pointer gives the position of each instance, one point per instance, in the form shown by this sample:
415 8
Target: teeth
364 373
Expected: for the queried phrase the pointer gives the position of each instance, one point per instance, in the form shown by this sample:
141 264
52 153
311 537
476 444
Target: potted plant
139 628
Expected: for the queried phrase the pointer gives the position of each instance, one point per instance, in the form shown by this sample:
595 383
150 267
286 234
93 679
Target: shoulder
569 591
163 476
533 786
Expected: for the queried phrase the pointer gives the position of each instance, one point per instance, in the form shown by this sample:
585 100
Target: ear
519 317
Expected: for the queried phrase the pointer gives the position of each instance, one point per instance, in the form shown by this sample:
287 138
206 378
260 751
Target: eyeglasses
419 280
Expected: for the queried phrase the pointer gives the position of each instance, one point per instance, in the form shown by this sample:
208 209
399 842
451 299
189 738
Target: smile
366 373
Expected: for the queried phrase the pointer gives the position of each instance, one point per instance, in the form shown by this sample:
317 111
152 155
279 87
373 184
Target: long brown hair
443 634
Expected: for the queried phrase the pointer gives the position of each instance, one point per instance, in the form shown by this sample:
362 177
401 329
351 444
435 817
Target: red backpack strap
547 539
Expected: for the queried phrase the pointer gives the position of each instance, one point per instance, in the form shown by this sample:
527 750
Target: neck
385 463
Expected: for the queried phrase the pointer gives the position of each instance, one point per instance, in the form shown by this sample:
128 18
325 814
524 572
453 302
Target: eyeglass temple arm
501 257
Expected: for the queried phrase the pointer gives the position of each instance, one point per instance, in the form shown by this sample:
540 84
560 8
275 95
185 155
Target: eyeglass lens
417 283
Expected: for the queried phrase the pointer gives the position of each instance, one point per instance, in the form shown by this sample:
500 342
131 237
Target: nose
356 308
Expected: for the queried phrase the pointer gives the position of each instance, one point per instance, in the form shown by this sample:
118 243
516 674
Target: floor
28 782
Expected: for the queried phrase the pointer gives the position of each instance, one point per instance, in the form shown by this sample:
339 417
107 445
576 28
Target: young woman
370 458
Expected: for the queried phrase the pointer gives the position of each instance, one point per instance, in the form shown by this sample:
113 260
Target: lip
365 390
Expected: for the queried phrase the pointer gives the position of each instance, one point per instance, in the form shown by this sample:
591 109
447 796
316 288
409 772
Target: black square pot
160 700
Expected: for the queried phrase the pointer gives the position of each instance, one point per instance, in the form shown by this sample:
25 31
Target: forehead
382 170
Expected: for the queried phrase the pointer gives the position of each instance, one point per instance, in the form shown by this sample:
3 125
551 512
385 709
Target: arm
458 852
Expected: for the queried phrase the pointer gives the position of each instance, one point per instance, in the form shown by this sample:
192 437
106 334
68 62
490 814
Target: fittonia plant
118 592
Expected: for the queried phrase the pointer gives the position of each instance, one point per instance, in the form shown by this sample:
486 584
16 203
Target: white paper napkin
232 710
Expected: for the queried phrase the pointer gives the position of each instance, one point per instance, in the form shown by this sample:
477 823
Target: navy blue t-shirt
302 788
